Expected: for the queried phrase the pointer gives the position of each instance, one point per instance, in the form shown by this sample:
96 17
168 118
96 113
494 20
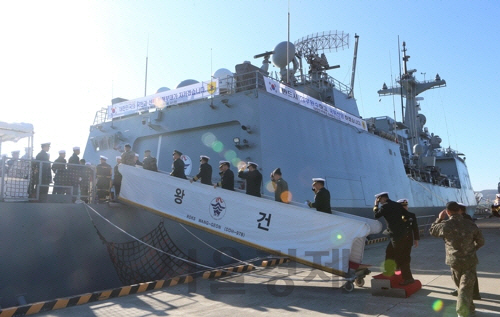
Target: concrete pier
295 289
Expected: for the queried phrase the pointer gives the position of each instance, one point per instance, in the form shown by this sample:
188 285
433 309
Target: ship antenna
146 79
287 46
401 86
393 105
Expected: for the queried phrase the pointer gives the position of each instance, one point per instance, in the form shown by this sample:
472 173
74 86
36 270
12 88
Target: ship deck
263 291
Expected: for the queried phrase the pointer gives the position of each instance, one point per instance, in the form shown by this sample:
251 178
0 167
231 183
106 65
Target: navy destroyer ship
301 120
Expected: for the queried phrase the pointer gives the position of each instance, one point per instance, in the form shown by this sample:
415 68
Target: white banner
276 88
313 238
165 99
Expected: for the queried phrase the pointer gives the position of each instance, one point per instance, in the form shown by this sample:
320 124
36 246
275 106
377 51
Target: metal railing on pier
42 181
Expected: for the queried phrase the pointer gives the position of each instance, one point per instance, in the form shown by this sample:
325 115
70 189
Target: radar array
311 44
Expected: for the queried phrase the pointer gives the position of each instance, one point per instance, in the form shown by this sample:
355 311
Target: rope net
136 262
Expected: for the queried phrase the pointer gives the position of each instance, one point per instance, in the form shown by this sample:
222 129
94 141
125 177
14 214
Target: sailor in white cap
253 178
15 166
138 162
397 253
60 174
74 159
149 162
321 197
226 176
103 184
205 173
117 177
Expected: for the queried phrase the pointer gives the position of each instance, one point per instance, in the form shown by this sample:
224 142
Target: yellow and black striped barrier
273 262
91 297
227 271
377 240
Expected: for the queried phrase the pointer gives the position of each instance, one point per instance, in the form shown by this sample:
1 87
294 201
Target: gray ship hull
53 251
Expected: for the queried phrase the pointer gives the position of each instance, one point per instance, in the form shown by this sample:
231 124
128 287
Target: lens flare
241 165
437 305
270 186
217 146
337 237
388 266
208 139
286 196
230 155
236 161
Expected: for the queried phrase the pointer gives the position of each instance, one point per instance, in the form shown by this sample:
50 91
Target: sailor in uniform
321 197
281 192
205 173
253 179
103 174
75 170
495 208
138 163
42 166
117 178
60 175
226 176
399 248
128 157
14 166
178 165
149 162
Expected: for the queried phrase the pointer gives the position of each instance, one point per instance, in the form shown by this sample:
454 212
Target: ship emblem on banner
217 208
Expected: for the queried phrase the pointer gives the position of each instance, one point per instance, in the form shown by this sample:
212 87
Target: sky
62 61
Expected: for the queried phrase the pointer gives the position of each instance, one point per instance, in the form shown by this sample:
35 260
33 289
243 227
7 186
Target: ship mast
409 88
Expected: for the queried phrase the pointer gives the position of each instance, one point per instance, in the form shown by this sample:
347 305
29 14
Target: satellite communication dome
225 78
162 89
279 57
187 82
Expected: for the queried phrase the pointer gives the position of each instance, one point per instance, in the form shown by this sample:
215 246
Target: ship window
390 152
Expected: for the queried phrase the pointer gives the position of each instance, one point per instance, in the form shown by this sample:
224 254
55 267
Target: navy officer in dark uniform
399 247
42 166
253 178
321 197
178 165
103 184
226 176
205 173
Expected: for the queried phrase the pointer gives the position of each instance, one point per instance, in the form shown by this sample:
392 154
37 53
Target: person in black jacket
226 176
103 184
253 179
60 174
117 177
42 166
205 173
397 253
321 197
178 165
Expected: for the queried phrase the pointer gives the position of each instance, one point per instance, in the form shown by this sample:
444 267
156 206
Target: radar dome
162 89
187 82
225 78
279 57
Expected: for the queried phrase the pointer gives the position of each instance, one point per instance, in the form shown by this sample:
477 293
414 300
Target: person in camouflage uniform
462 239
149 162
128 157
